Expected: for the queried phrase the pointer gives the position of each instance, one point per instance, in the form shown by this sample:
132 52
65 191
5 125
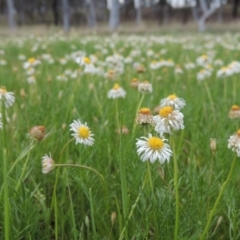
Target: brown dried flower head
134 83
144 116
234 112
37 132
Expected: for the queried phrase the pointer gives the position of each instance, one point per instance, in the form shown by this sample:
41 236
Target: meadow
98 187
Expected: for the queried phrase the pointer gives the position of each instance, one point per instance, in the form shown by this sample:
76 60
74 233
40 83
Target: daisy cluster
168 120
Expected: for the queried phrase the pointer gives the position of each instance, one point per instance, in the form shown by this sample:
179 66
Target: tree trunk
91 13
55 11
139 16
65 11
235 8
11 19
114 14
220 14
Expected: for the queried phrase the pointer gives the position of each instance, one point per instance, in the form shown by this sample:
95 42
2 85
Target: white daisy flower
7 97
31 62
153 148
116 92
83 61
145 87
174 101
47 163
168 120
234 143
82 133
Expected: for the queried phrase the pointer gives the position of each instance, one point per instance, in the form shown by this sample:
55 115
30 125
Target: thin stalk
97 100
5 177
134 206
154 199
210 99
24 168
117 114
72 212
175 180
92 215
80 166
123 182
212 212
138 108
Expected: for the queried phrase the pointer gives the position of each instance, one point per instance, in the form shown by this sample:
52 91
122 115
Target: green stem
24 169
5 177
212 212
210 99
138 108
117 115
176 191
134 206
72 212
80 166
123 182
92 215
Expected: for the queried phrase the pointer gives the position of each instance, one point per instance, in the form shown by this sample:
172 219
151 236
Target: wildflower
153 148
144 117
81 133
37 132
203 74
213 144
145 87
234 112
123 131
110 74
31 62
113 217
174 101
168 120
31 80
83 61
47 163
134 83
116 92
234 143
7 97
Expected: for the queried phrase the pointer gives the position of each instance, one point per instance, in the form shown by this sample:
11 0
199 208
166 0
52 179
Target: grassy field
105 191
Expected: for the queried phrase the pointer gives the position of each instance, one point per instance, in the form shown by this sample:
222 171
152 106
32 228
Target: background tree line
113 12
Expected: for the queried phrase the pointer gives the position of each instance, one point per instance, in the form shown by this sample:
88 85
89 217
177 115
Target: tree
113 6
65 11
91 13
11 19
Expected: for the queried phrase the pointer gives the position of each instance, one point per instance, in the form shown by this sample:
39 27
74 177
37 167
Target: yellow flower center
204 56
116 87
154 62
31 60
238 132
111 72
155 143
146 82
165 111
235 108
172 97
83 132
144 110
3 90
86 60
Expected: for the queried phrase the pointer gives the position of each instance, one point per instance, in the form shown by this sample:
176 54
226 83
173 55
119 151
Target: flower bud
213 144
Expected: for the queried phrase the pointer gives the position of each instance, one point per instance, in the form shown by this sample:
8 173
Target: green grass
74 203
